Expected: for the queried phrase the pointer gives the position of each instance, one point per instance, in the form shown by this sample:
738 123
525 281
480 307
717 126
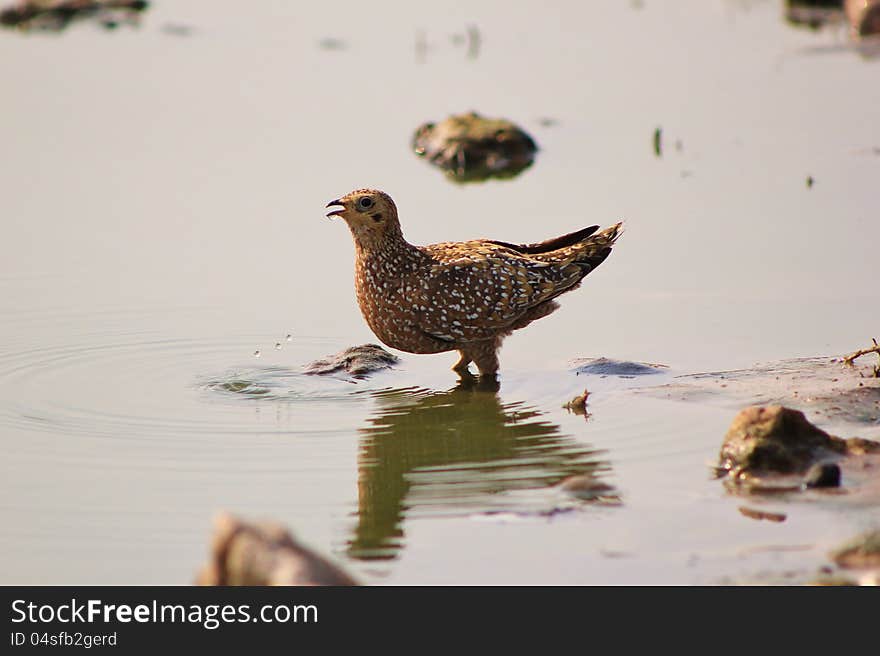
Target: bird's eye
365 202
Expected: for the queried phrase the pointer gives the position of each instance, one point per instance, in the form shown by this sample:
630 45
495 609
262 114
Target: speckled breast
387 295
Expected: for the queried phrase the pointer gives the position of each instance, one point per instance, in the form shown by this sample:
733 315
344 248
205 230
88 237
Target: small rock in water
778 440
358 361
472 148
823 474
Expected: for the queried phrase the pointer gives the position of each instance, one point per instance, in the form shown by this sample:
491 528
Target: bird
458 296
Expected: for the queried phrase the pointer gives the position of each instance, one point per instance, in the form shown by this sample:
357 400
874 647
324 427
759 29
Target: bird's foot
462 366
467 381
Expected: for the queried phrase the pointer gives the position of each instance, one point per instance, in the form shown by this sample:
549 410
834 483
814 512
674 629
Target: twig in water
849 359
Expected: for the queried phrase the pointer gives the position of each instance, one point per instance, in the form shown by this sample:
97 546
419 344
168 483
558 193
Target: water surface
162 206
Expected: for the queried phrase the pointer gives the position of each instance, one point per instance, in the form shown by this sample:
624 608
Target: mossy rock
778 440
471 148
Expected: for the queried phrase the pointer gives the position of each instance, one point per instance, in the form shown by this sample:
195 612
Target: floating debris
331 43
471 39
249 553
810 181
177 29
257 353
474 41
658 142
851 358
753 513
58 15
578 405
471 148
277 346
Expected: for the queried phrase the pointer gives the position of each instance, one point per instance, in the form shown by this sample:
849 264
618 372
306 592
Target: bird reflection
461 451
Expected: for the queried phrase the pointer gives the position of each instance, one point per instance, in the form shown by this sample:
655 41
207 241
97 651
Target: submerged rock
247 553
472 148
587 487
610 367
774 439
57 15
359 361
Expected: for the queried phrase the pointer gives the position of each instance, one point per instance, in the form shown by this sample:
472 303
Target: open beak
333 203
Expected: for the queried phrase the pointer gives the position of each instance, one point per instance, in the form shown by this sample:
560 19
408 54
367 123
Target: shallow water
163 221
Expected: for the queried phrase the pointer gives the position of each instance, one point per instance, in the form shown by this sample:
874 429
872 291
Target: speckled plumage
465 296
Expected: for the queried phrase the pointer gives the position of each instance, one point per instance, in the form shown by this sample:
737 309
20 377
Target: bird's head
370 214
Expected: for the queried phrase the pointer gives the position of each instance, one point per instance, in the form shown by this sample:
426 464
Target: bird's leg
462 365
485 355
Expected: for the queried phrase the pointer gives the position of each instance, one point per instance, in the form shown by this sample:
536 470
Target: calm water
162 212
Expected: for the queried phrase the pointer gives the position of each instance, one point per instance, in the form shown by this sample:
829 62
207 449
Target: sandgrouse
465 296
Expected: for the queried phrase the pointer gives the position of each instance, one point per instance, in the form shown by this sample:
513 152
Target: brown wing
477 289
551 244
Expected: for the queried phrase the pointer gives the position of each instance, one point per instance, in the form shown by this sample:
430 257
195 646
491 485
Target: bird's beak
332 203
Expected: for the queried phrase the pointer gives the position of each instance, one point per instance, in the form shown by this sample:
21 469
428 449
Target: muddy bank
808 425
826 389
